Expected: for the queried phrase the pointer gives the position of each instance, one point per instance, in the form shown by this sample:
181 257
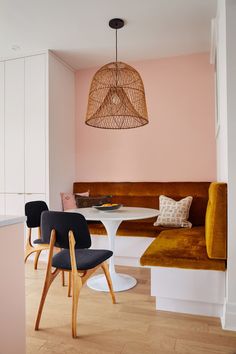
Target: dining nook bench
136 235
187 265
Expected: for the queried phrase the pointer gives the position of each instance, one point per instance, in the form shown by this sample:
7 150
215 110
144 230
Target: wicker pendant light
116 97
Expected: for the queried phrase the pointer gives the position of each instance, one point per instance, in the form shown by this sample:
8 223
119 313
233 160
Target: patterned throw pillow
173 213
68 200
86 202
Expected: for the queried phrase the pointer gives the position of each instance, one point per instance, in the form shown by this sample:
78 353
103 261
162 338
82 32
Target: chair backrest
62 223
33 211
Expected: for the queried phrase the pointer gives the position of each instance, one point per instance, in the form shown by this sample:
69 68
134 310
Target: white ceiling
77 30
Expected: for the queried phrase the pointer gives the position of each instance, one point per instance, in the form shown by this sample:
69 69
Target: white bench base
128 250
200 292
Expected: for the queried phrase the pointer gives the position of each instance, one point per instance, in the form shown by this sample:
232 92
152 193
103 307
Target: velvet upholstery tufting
146 194
181 248
216 221
196 248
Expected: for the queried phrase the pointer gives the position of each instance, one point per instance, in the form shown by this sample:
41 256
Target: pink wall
177 145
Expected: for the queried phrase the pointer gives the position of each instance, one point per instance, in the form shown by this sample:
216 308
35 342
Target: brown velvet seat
197 248
181 248
202 247
130 228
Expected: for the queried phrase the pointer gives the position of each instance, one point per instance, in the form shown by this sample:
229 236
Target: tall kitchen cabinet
37 131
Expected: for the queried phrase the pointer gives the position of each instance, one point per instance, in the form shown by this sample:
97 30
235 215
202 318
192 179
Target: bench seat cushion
129 228
181 248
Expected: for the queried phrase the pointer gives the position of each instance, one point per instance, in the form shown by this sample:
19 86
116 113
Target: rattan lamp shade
116 98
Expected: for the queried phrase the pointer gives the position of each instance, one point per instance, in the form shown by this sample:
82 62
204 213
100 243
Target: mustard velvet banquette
201 247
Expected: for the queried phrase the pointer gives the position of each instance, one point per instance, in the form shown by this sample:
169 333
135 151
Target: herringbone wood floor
132 326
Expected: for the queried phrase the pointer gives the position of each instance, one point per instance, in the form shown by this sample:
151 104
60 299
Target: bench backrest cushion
146 194
216 221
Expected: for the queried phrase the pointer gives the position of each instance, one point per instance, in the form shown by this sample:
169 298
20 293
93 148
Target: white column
227 99
2 129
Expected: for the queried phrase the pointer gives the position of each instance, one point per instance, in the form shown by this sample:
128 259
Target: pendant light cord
116 61
116 46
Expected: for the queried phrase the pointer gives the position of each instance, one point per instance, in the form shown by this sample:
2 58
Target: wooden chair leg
28 252
109 282
48 281
69 285
62 278
76 284
50 276
29 249
36 259
76 287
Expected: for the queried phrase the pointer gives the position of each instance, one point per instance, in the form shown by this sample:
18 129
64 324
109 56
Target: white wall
61 130
226 141
221 141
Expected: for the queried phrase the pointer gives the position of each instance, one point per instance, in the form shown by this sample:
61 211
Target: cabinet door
15 204
2 204
34 196
2 188
35 118
14 126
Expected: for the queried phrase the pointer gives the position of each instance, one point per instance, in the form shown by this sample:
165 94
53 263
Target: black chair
33 211
69 231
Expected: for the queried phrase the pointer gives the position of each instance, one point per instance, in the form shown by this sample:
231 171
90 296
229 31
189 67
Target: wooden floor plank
132 326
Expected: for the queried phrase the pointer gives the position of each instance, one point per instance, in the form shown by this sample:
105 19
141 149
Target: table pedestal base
120 282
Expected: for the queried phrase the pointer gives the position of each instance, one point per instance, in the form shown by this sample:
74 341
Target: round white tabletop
111 221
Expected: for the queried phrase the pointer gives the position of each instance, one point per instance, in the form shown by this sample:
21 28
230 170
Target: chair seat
39 241
85 258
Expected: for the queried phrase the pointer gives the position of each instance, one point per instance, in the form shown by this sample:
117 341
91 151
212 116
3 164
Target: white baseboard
228 320
190 307
127 261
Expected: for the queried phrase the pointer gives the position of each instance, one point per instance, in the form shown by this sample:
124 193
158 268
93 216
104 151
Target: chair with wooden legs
33 211
69 231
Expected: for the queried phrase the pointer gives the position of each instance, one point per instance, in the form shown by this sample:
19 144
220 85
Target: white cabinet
2 204
35 120
37 131
14 203
14 126
35 196
2 185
